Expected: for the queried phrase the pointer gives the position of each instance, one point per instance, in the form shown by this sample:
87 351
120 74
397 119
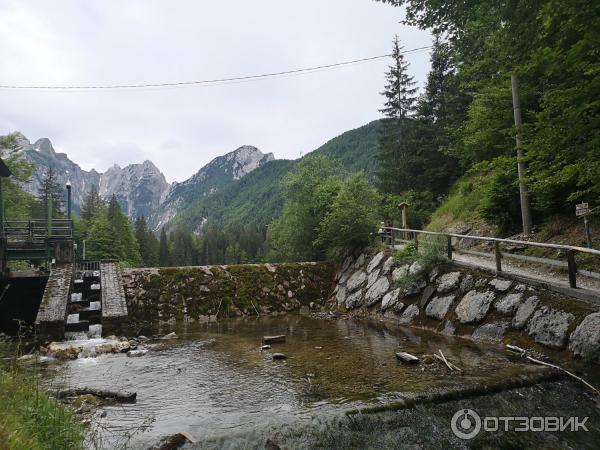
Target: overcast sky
89 42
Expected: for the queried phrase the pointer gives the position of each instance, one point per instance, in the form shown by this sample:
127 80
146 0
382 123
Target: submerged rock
279 356
136 353
409 314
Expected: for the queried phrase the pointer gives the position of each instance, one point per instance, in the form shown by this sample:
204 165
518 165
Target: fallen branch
252 303
450 366
537 361
121 396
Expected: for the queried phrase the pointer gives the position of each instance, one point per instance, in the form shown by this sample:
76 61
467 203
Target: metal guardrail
570 250
86 266
38 230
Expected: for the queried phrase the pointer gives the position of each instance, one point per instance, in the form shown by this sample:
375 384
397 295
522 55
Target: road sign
582 209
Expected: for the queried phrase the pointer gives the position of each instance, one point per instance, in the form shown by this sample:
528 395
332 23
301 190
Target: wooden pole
525 209
449 247
498 254
572 268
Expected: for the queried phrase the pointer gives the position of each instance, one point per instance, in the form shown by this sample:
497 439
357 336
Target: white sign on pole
582 209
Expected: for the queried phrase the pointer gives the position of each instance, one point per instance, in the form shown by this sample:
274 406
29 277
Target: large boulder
390 299
375 262
524 311
549 326
341 295
356 280
409 314
377 291
448 282
354 300
509 303
585 340
373 276
439 306
388 265
474 306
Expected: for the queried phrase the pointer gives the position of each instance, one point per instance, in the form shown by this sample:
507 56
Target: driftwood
273 339
523 352
443 359
120 396
407 358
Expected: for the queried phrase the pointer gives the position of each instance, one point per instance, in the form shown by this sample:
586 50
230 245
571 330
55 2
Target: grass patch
430 252
29 418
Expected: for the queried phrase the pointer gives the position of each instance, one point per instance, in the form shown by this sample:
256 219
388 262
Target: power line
216 81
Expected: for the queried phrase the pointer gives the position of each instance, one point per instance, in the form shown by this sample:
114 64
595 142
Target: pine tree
396 132
92 204
147 242
124 239
164 258
50 188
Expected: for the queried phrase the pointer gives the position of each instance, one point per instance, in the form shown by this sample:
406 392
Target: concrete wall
458 301
202 294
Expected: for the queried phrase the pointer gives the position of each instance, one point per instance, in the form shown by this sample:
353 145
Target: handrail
570 249
37 228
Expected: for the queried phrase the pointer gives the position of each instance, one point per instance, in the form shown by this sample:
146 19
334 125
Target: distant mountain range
239 187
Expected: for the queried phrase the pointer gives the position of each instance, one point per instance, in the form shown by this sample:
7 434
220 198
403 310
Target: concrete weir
51 317
114 306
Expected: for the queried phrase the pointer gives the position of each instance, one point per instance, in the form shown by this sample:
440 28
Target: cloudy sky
73 42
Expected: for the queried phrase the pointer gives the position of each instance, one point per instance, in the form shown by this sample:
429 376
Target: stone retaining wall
458 301
208 293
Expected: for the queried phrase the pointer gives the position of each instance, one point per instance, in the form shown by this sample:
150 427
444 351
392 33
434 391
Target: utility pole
524 195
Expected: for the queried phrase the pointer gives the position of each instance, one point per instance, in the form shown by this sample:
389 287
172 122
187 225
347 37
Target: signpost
583 209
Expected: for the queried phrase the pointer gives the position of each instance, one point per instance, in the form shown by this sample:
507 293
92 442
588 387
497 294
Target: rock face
585 340
375 261
377 291
439 306
474 306
549 326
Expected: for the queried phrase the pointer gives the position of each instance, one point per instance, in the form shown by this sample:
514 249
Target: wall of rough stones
457 301
209 293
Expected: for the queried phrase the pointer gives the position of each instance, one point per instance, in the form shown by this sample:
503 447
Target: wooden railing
37 230
394 235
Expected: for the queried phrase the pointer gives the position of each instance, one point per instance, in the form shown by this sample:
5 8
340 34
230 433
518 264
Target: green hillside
256 197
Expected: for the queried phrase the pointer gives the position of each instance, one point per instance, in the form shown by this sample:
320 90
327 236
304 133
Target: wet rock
474 306
500 285
449 328
400 273
265 347
409 314
390 299
360 261
388 265
340 297
439 306
356 280
112 347
467 283
175 441
279 356
427 293
415 268
509 303
136 353
524 311
549 326
448 282
375 262
434 273
585 340
354 300
377 291
63 350
492 332
172 335
373 276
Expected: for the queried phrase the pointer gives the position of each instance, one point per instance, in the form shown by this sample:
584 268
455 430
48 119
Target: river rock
493 332
426 296
172 335
438 307
377 291
112 347
467 283
509 303
409 314
448 282
585 340
174 442
279 356
500 285
549 326
354 300
340 297
474 306
63 350
372 278
136 353
524 311
356 280
360 261
390 299
400 273
375 261
388 265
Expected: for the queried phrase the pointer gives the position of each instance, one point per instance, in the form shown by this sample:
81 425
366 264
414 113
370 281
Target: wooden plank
407 358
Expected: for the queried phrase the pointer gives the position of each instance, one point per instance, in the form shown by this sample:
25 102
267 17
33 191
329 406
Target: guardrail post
416 240
572 268
449 247
392 237
498 254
